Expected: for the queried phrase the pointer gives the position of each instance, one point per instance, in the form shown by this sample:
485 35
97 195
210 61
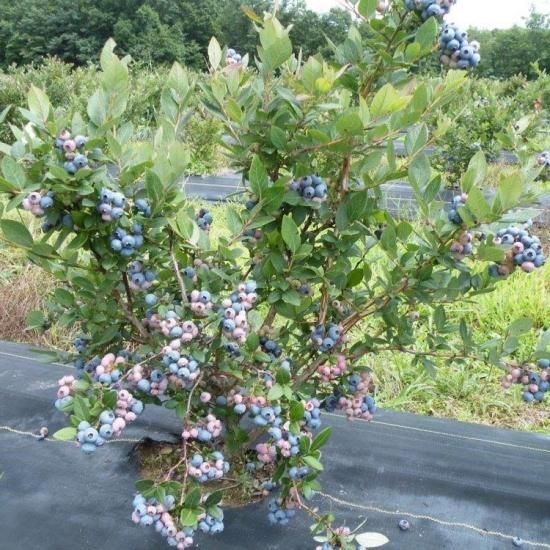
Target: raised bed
459 485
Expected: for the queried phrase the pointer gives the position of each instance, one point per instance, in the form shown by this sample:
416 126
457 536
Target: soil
242 487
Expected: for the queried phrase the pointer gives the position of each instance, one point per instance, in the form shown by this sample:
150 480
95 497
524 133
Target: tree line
163 31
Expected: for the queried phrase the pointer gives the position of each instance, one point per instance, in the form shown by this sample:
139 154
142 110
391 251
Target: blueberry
90 435
107 417
106 431
116 245
71 168
80 161
46 202
150 299
88 448
309 192
404 525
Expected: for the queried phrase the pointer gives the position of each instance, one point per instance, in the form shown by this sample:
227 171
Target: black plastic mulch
53 497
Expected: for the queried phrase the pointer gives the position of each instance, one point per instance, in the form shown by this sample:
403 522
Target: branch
128 290
177 271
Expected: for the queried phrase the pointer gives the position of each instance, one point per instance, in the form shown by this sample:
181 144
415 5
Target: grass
465 392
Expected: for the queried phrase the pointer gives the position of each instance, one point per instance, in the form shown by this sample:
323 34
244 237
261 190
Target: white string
334 499
36 436
433 519
447 434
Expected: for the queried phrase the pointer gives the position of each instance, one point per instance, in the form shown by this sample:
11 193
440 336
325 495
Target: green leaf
313 463
189 517
386 101
520 326
367 8
258 178
16 233
350 124
509 191
290 233
81 408
478 205
143 485
13 172
275 393
297 410
427 33
35 319
276 45
476 173
213 499
322 437
388 241
65 434
39 104
416 138
193 499
214 53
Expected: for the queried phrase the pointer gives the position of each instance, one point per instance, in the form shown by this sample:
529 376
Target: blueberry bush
250 334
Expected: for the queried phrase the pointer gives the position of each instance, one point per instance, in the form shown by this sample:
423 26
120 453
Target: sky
485 14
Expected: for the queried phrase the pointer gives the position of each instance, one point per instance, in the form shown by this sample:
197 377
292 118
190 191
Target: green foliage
285 119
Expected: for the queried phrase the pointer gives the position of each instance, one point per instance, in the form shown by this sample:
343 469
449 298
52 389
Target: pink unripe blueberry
69 146
205 397
528 267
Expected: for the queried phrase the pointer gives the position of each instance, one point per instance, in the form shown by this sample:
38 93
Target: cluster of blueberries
111 205
37 204
73 150
535 385
235 321
311 188
211 525
430 8
234 399
143 207
154 384
205 469
266 416
150 512
278 514
64 391
454 213
298 472
463 247
354 398
204 219
110 423
187 369
233 58
140 278
201 302
544 159
126 243
456 52
287 443
205 430
330 372
326 338
525 251
171 326
272 348
312 414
